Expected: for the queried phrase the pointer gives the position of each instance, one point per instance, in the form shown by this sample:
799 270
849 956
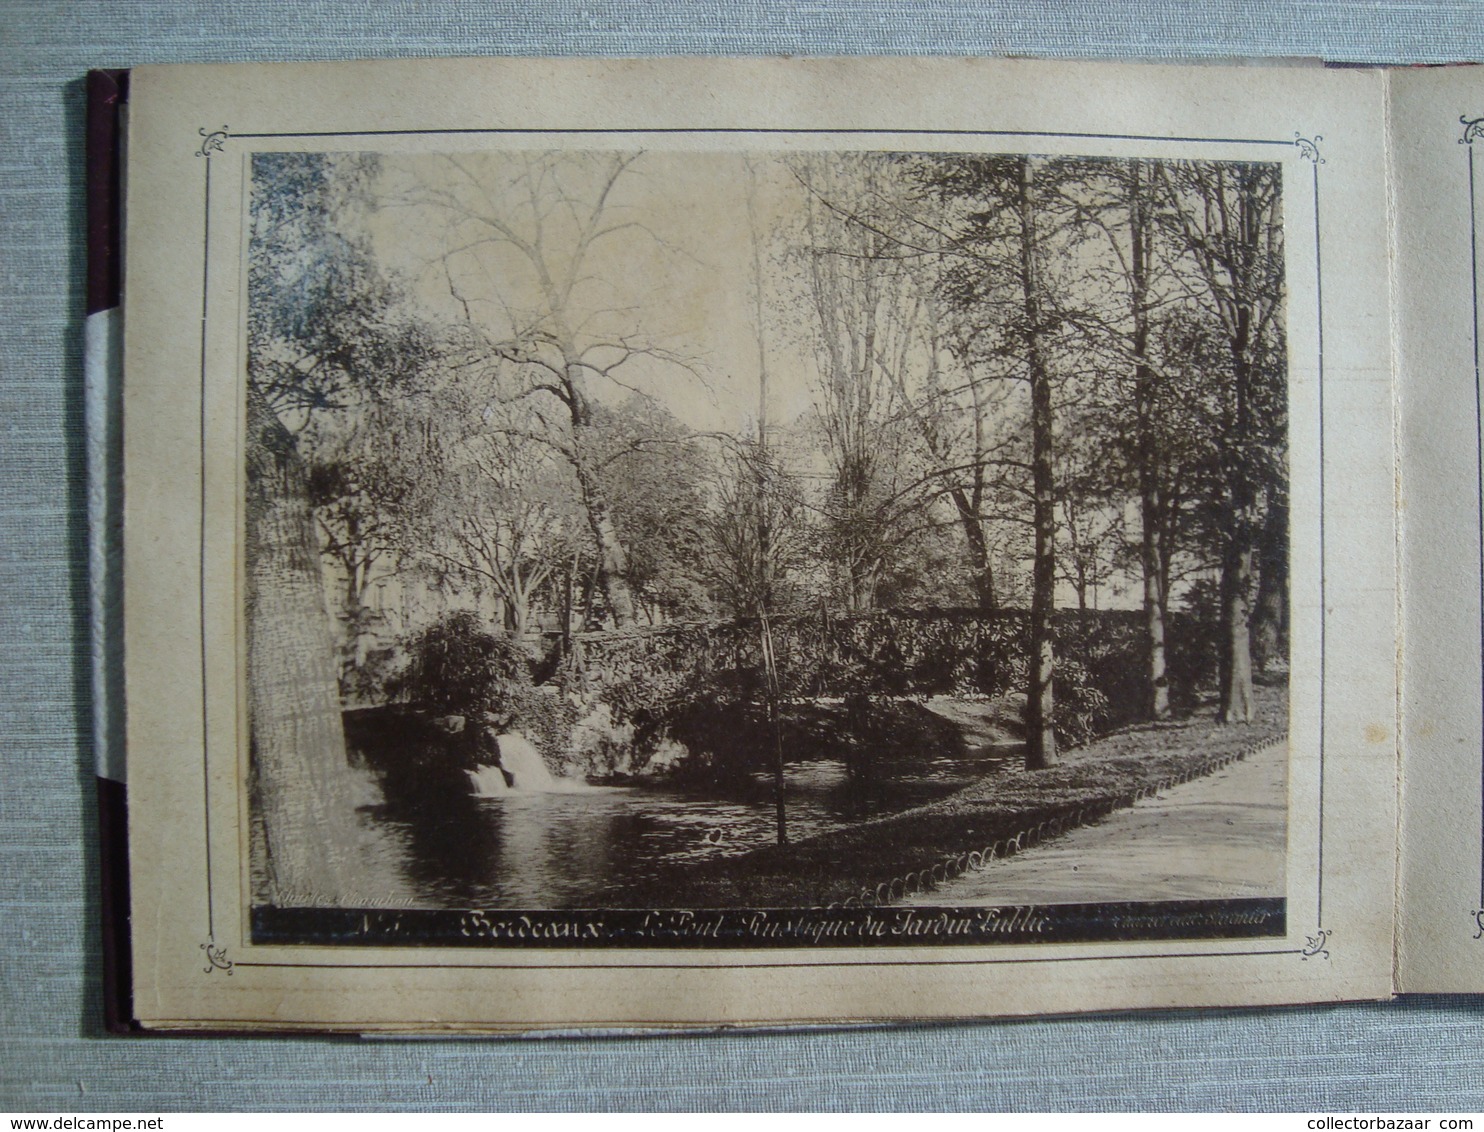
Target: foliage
327 326
651 678
645 677
547 719
367 672
497 512
1082 708
1031 380
651 469
757 538
457 667
365 470
334 350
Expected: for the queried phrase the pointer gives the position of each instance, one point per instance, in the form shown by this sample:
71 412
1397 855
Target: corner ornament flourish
215 140
1315 948
216 959
1309 147
1478 914
1473 129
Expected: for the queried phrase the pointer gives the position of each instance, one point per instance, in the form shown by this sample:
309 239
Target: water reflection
583 847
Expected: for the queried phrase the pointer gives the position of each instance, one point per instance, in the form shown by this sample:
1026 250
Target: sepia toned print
529 463
655 548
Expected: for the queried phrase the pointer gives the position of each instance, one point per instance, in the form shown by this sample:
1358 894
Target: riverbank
885 860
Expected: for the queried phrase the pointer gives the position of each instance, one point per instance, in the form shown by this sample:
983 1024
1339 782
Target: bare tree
1136 414
951 412
531 240
871 329
498 512
1089 520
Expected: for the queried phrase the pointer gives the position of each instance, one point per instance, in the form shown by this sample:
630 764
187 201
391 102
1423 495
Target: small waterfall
488 781
524 764
521 771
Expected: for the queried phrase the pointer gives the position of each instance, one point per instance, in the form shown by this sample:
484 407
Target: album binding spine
107 95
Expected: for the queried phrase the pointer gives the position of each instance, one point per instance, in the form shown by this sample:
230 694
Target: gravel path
1220 837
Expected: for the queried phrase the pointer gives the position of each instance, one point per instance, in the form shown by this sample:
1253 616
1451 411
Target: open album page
695 542
1439 192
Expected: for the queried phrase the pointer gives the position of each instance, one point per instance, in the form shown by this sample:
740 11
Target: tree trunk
589 592
1040 698
613 560
1237 555
1270 617
1237 704
981 568
1155 604
862 585
1255 197
302 784
1152 553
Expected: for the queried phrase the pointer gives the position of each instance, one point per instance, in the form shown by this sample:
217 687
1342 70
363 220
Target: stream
566 847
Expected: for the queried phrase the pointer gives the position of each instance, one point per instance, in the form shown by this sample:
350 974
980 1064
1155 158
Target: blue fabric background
1420 1054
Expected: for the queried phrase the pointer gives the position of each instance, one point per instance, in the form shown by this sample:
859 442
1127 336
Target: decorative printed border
216 959
1315 947
1473 130
214 141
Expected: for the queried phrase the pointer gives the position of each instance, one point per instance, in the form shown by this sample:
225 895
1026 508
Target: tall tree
960 419
1136 413
531 238
654 471
1089 515
325 330
327 327
1009 220
1228 217
950 420
758 542
867 325
1040 707
1141 185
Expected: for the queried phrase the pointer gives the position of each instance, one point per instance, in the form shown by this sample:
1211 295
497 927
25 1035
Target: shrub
600 744
1083 710
674 681
456 667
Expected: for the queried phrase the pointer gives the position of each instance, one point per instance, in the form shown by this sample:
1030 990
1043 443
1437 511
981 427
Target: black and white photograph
764 547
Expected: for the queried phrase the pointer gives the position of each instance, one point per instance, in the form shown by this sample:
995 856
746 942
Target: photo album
629 544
